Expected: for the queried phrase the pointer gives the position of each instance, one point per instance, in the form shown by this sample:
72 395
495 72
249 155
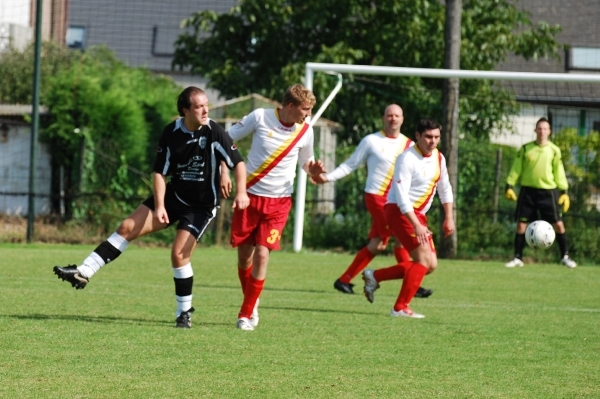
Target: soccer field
489 331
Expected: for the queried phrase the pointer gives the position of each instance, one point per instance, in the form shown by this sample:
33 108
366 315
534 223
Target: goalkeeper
544 186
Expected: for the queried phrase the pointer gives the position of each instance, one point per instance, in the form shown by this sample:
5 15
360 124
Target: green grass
490 332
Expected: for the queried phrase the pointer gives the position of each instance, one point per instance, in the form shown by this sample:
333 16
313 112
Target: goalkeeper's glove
564 201
510 193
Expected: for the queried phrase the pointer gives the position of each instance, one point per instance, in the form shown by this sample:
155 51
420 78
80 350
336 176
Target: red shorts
379 225
261 223
403 228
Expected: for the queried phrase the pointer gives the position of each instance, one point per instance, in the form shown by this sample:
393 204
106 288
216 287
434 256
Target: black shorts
192 219
538 204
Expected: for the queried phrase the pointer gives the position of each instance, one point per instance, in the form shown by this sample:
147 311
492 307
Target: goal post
312 67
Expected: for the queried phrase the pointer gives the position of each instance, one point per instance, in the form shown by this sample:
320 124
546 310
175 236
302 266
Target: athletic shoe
423 292
254 318
371 285
406 313
516 262
568 262
184 320
244 323
346 288
72 275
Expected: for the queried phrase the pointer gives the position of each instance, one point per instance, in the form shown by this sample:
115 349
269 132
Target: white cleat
406 313
254 318
516 262
568 262
244 323
371 285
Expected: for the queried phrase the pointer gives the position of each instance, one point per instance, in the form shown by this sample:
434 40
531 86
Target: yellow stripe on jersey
390 173
275 154
427 195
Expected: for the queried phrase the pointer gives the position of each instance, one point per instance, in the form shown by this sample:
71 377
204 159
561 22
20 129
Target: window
76 37
586 58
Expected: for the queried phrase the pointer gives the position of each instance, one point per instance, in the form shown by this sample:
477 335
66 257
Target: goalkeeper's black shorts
538 204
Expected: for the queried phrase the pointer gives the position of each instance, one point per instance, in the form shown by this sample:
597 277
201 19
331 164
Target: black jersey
192 160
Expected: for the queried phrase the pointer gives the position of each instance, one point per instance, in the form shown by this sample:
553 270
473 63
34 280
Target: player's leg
139 223
267 236
524 212
378 239
183 277
401 254
550 211
190 228
423 256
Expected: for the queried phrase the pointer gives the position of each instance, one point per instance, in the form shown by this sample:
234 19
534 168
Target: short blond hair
298 94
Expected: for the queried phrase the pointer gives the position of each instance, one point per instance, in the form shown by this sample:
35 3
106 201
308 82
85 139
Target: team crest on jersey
270 134
202 142
233 147
158 149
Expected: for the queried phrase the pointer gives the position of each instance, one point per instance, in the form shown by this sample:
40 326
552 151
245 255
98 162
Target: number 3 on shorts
274 236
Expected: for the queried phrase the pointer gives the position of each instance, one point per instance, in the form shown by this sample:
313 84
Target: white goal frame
338 69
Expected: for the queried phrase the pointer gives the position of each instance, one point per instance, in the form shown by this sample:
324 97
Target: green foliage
104 119
582 165
16 71
262 46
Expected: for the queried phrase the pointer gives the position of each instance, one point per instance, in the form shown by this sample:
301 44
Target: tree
262 46
104 119
450 111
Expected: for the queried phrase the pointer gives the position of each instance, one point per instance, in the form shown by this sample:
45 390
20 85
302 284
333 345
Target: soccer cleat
406 313
423 292
254 318
371 285
245 324
72 275
346 288
516 262
184 320
568 262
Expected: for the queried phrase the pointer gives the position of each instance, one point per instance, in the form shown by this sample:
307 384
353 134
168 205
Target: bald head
392 120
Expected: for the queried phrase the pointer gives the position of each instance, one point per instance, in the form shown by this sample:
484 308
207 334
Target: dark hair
543 119
184 99
427 124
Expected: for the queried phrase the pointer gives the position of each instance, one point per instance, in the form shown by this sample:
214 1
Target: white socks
183 302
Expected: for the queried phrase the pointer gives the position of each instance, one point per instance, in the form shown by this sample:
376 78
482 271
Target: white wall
14 172
524 126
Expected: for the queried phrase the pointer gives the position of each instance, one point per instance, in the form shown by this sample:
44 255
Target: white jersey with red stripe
379 152
275 151
416 178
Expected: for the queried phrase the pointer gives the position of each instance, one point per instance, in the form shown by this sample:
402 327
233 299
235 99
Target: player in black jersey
190 151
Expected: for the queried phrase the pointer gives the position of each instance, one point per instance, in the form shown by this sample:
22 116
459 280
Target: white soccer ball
540 234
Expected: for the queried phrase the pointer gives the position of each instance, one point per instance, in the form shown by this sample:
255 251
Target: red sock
361 260
411 283
244 275
401 254
395 272
251 293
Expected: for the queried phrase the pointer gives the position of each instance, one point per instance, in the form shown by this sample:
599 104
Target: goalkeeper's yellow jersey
538 167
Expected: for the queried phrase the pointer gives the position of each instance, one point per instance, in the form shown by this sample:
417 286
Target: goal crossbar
312 67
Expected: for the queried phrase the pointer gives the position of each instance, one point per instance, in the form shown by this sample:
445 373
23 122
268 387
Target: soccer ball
540 234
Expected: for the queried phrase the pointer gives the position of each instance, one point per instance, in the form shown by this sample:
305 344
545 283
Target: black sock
519 245
563 244
107 252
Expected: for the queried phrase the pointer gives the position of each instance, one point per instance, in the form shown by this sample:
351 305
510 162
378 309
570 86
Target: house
565 104
15 144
